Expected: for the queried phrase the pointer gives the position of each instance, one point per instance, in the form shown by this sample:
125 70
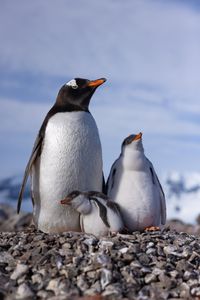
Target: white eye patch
72 83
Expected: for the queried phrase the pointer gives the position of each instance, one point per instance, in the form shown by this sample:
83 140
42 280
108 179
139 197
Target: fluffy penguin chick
98 215
134 185
66 156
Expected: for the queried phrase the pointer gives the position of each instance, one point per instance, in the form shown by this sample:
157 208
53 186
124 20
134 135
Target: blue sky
148 50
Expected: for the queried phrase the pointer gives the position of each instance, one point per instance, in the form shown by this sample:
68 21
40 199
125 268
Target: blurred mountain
182 191
9 190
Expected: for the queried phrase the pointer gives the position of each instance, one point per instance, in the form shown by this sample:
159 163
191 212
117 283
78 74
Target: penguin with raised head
66 156
98 214
134 185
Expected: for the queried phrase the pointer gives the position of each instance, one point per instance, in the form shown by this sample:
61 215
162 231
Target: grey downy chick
98 214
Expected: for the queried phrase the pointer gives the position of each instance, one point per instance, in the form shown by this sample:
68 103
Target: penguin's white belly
93 224
71 159
138 200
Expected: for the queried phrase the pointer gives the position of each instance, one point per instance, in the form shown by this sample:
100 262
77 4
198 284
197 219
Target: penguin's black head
133 139
76 94
67 200
74 194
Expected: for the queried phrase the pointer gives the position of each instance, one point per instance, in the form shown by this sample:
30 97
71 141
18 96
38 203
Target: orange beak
66 201
95 83
138 136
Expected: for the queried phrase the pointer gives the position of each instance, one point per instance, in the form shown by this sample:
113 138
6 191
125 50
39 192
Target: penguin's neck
65 105
133 159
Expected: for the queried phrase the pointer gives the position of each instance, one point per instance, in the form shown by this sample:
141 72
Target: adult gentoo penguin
98 215
66 156
134 185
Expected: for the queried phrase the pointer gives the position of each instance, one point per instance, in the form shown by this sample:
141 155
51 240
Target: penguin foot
152 228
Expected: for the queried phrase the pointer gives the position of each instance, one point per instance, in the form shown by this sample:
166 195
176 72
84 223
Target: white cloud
137 41
148 50
20 117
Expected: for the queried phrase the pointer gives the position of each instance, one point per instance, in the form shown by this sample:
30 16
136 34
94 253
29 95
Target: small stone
43 294
135 264
123 250
43 272
113 291
194 256
76 260
82 283
144 259
184 290
150 278
157 271
66 252
150 245
91 294
186 252
21 279
90 241
160 251
195 291
24 292
92 274
106 244
62 240
174 274
53 285
36 278
187 275
174 294
5 257
127 257
170 250
71 272
181 265
102 259
151 251
193 282
19 271
146 270
66 246
106 278
58 261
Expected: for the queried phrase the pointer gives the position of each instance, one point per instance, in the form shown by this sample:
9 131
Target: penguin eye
74 194
73 84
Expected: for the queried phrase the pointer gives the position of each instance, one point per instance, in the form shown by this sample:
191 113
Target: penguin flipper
103 184
111 178
95 194
36 151
161 193
102 211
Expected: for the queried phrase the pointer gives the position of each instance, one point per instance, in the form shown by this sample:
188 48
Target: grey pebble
20 270
157 265
24 292
106 278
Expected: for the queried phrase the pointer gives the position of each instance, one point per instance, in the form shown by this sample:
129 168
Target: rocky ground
156 265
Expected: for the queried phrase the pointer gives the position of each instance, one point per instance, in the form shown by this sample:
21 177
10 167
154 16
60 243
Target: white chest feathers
71 159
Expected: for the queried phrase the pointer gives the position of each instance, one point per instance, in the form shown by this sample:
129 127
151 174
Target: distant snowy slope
9 190
182 195
182 192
